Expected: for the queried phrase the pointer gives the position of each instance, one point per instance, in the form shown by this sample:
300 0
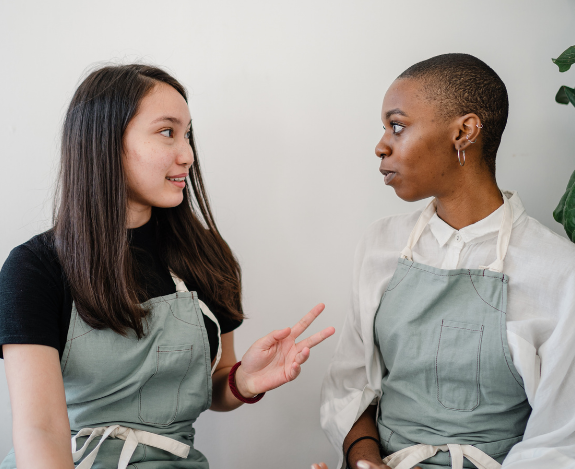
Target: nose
185 154
382 149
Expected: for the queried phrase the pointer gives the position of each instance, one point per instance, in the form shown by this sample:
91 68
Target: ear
469 127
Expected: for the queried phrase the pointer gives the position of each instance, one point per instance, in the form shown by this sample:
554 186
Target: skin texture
156 146
420 147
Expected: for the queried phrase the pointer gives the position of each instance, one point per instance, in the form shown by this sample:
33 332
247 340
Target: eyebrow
388 114
174 120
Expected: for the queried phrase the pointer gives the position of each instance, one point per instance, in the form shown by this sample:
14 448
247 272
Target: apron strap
413 455
132 438
415 234
502 240
181 287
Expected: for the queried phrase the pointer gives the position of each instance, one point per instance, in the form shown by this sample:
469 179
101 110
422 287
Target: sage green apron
451 396
132 403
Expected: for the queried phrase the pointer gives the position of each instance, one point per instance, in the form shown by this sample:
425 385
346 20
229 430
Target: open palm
276 358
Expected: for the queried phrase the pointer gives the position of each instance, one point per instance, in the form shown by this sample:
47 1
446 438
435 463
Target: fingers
321 465
304 322
302 356
363 464
294 371
272 338
317 338
281 334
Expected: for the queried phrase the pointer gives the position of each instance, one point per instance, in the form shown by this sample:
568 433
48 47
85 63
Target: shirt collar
487 227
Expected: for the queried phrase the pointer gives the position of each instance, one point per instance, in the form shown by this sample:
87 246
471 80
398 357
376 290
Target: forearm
45 448
222 398
367 449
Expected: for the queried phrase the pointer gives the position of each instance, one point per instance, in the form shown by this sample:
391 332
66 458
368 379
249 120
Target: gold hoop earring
459 158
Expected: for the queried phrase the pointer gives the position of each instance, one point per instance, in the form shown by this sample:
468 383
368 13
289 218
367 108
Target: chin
169 202
410 194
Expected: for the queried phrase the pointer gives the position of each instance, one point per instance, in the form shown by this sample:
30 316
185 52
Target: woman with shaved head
457 349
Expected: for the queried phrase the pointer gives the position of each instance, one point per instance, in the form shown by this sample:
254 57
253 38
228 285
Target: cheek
423 155
146 169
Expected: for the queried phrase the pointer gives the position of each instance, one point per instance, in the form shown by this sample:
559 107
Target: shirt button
457 237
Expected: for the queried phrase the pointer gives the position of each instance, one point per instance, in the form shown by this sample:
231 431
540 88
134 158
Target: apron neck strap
502 239
180 285
422 222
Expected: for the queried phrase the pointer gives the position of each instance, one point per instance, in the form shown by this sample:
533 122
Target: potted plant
565 211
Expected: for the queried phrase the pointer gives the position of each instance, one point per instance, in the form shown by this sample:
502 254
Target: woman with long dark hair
116 326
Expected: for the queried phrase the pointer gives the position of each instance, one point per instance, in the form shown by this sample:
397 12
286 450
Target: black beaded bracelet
357 441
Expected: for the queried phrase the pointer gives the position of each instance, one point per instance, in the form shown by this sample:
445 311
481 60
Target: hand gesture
276 358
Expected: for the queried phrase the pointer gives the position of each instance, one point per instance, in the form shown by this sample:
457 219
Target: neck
138 215
470 202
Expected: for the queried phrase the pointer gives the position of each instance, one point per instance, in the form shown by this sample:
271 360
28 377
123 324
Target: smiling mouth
176 179
388 176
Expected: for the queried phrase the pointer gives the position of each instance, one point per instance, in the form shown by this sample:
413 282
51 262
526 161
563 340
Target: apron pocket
457 365
160 395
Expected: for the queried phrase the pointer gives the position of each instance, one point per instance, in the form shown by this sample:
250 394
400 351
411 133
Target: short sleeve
227 324
32 294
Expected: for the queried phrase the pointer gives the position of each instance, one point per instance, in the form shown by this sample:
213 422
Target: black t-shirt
36 302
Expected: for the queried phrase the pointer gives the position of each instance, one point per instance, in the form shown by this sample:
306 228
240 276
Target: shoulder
32 263
542 248
388 233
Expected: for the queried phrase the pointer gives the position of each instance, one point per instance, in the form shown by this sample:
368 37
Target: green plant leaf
561 96
566 59
565 211
565 95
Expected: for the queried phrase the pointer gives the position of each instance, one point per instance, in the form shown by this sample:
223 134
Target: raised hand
276 358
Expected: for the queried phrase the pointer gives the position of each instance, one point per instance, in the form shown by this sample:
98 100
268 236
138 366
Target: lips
177 177
387 175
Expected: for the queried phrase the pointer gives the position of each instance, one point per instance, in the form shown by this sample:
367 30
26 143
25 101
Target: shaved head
461 84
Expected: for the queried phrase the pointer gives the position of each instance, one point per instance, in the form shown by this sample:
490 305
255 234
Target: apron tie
132 438
413 455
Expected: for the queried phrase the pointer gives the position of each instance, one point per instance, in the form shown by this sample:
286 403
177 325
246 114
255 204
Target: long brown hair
90 215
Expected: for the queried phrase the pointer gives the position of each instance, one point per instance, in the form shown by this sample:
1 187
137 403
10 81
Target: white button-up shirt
540 324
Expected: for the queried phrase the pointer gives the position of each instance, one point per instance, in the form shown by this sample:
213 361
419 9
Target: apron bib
132 403
451 396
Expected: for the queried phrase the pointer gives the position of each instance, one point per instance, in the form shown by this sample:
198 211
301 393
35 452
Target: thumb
270 340
362 464
368 465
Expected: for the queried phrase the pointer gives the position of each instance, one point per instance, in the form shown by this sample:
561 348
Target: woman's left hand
276 359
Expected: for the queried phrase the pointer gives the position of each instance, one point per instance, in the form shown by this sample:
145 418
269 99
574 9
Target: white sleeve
345 392
549 440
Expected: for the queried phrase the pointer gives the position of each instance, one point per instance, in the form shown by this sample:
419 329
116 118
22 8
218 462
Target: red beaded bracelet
234 388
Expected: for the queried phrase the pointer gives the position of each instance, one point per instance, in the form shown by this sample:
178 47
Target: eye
167 133
397 128
188 134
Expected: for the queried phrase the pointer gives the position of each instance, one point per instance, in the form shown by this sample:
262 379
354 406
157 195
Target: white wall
285 98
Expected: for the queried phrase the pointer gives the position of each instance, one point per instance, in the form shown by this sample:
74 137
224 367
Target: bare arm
41 430
365 453
222 398
366 450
